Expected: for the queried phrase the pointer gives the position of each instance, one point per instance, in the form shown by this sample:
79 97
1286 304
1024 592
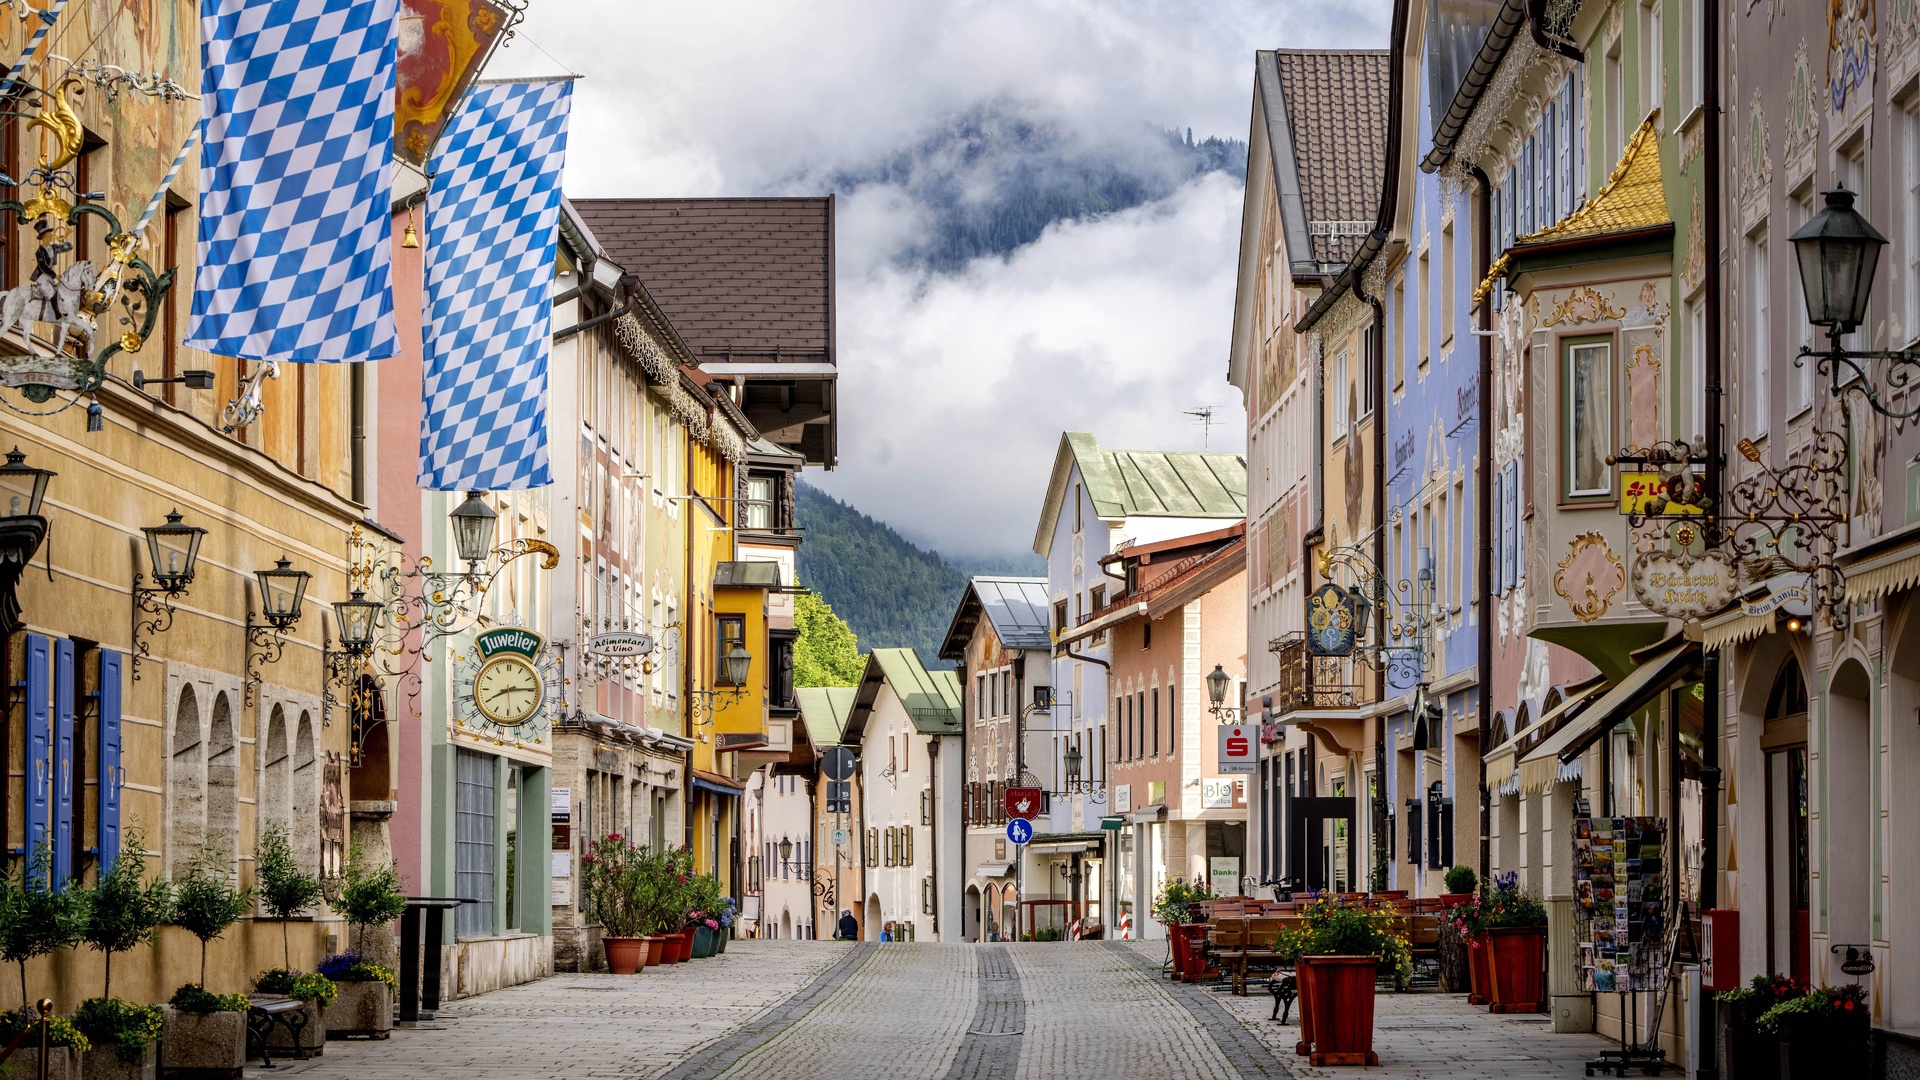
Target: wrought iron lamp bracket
152 615
266 643
1901 367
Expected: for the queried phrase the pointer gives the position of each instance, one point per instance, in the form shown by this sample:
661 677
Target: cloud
954 389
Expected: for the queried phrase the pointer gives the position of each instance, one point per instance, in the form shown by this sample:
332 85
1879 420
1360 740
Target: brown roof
1336 109
746 279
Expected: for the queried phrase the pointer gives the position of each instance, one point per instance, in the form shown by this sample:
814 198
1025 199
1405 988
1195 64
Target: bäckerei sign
1682 586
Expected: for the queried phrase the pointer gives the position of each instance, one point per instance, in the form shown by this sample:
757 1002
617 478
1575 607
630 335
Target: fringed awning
1733 628
1887 572
1540 766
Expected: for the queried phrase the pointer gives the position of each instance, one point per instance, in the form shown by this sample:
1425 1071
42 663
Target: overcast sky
954 387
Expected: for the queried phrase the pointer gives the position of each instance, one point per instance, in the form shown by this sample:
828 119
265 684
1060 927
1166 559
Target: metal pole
46 1022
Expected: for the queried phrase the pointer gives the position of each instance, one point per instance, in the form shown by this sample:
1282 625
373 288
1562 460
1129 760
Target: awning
1736 626
992 869
1886 564
1112 823
1655 674
1502 759
714 782
1156 812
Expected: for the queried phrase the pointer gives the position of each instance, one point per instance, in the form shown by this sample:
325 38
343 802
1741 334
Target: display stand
1623 929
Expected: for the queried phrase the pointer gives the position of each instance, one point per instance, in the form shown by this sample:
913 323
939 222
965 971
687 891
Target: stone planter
363 1010
313 1037
62 1063
194 1046
105 1063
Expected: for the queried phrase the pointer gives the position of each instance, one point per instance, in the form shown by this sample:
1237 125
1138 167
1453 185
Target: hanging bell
411 237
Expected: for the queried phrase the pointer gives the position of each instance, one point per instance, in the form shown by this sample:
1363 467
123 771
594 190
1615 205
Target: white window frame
1575 420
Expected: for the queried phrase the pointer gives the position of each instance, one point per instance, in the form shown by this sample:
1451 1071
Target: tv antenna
1204 417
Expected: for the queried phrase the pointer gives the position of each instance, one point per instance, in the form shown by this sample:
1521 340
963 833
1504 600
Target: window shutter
62 761
109 774
1577 97
1413 831
1564 116
1446 832
906 835
926 808
1549 149
39 744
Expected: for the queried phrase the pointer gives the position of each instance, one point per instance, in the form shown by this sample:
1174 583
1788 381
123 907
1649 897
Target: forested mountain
993 180
891 591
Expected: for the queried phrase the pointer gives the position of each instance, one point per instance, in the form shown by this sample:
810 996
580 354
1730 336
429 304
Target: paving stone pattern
773 1010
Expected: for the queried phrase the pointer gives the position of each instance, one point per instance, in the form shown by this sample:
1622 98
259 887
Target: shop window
728 631
473 814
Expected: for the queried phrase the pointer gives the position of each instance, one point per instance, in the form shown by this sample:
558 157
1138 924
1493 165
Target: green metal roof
824 710
1145 483
932 698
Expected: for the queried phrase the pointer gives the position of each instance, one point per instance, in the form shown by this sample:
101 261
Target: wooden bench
288 1014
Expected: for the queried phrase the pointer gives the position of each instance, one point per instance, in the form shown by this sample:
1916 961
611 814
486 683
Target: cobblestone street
783 1009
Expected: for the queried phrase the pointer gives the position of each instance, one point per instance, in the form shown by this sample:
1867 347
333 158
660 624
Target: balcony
1308 681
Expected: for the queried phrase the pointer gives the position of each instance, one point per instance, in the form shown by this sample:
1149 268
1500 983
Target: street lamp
21 530
786 854
473 523
1072 757
735 665
173 554
357 617
1838 252
282 589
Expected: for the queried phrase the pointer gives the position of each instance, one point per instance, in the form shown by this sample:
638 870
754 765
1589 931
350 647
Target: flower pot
203 1046
681 947
1302 981
363 1010
1479 976
1831 1046
1180 950
1746 1052
1451 900
62 1063
105 1063
720 937
702 942
625 955
1341 991
1518 966
656 949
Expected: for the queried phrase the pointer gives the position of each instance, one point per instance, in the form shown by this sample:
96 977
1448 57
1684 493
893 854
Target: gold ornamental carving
1590 576
1583 305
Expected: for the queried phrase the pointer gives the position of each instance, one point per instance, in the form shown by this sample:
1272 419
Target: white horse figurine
61 303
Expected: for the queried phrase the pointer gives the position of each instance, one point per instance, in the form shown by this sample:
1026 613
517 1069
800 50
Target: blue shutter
39 744
109 775
62 762
1516 567
1577 96
1498 512
1568 155
1549 164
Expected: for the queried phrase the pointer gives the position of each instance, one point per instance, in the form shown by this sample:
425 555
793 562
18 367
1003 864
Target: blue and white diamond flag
492 218
296 185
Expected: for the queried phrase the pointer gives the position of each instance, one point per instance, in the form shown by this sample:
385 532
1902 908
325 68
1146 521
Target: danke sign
1682 586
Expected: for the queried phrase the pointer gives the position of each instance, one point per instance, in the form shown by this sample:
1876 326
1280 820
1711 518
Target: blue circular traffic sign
1019 830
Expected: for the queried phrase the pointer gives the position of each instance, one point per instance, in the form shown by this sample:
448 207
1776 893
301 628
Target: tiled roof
1336 106
1144 483
824 710
1632 199
746 275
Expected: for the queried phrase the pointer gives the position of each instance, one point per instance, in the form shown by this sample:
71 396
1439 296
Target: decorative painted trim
1598 585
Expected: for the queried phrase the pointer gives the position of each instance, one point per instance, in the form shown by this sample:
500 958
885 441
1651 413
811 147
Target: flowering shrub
1170 906
1819 1004
1764 992
1329 929
1509 905
300 985
618 884
121 1024
728 912
352 967
195 998
60 1030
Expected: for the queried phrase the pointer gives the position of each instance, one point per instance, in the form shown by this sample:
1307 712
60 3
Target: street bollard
46 1022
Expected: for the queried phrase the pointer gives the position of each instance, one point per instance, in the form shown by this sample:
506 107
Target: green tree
126 906
368 895
284 890
208 901
825 653
37 919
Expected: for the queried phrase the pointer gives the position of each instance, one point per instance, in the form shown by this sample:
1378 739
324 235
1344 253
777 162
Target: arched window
1789 694
276 793
186 786
223 783
305 832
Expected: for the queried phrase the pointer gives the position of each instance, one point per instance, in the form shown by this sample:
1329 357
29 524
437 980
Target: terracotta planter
1452 900
105 1063
1518 966
362 1010
1338 995
625 955
680 946
197 1046
656 949
1479 974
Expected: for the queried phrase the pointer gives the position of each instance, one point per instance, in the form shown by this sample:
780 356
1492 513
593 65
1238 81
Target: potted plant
64 1043
1465 918
1339 952
1745 1051
1461 882
121 1037
1515 922
317 991
285 892
368 895
35 919
703 920
204 1034
729 911
676 880
1823 1032
1173 907
614 895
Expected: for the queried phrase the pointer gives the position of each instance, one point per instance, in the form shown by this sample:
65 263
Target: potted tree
1515 922
1339 952
205 1034
1823 1032
37 919
285 892
1461 882
1746 1051
614 895
125 911
368 896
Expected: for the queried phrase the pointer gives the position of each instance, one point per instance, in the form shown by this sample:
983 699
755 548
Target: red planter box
625 955
1336 992
1480 980
1518 966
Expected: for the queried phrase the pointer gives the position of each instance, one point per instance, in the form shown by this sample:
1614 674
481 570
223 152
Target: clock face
507 690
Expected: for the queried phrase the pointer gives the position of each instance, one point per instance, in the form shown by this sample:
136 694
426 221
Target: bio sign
1239 751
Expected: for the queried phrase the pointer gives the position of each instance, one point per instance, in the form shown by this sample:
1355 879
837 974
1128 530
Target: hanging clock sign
507 686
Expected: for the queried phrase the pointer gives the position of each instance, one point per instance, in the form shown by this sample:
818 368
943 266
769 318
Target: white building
777 834
911 843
